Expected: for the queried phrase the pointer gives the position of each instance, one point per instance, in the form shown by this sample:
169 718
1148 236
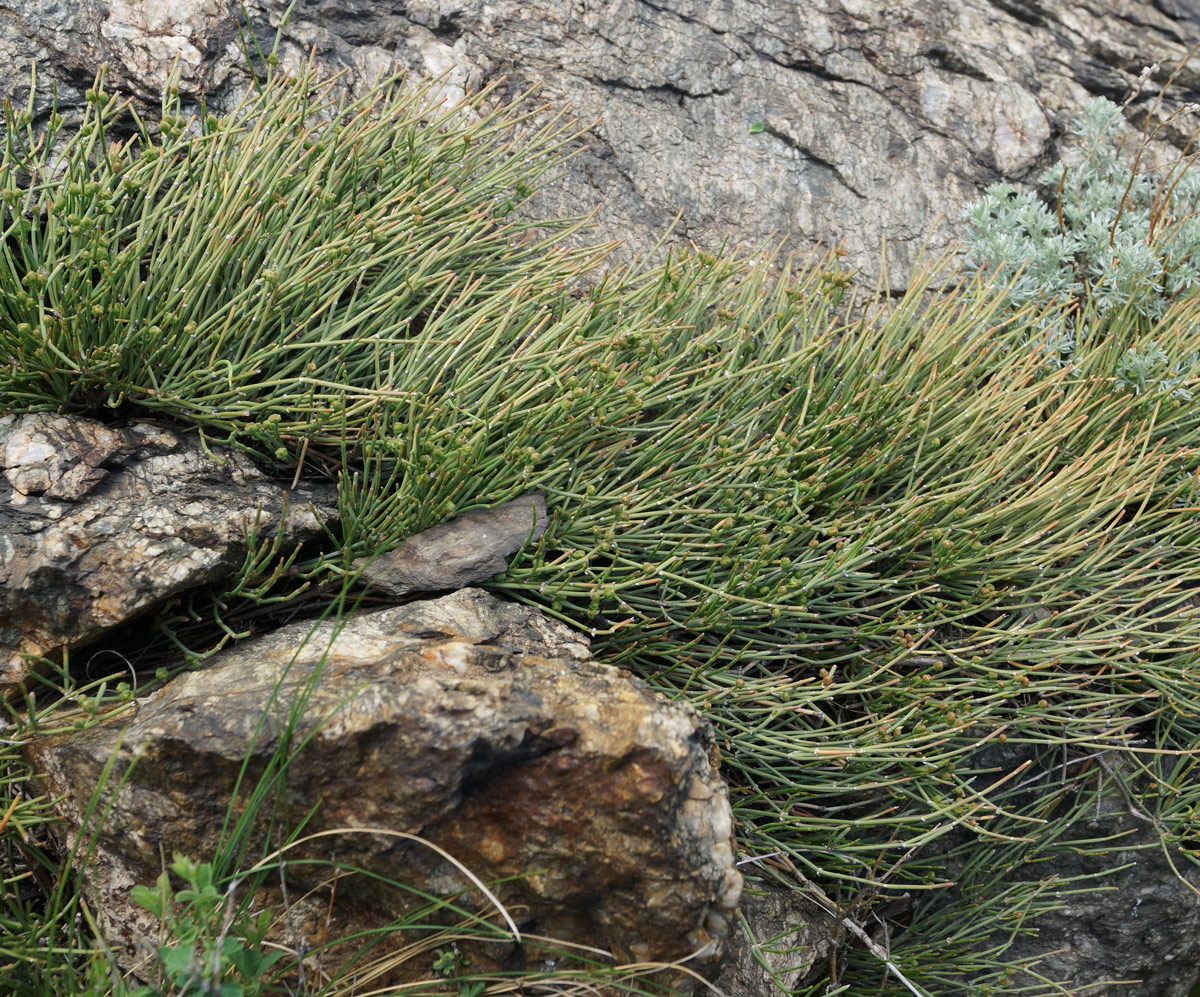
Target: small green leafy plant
1146 368
451 963
214 949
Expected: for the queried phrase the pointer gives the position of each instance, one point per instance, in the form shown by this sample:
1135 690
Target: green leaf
150 899
184 868
756 127
446 962
177 961
249 962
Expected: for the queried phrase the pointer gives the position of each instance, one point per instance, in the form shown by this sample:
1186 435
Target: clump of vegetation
258 275
1116 239
228 961
935 595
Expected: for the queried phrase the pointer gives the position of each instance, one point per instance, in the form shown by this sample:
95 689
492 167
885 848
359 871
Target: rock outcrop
844 121
840 121
99 524
1138 923
481 726
1143 928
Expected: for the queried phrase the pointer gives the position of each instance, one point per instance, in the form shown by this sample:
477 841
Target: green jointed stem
933 592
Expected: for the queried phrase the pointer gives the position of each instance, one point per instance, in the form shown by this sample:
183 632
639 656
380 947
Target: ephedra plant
934 594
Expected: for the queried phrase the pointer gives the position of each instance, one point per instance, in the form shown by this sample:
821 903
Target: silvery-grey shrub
1113 239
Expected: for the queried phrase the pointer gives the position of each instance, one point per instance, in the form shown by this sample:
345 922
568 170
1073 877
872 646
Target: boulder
837 121
98 524
592 803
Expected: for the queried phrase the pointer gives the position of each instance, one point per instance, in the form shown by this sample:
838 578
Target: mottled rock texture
99 524
784 939
877 117
1144 927
444 719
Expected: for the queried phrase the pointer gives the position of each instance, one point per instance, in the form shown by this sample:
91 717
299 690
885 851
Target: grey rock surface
1124 898
1143 929
590 801
99 524
878 118
466 550
783 939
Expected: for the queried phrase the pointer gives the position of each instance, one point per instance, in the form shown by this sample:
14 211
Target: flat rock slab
465 550
98 524
590 801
